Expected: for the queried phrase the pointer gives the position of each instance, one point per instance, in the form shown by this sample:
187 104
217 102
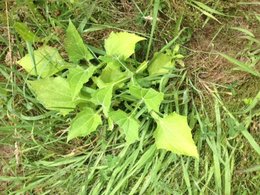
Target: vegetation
114 97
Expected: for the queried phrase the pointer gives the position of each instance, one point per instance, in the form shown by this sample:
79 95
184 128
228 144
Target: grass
34 155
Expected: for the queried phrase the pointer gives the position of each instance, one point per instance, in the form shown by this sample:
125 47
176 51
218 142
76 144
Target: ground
34 155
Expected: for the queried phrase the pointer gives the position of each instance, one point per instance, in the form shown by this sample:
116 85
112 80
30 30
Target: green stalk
155 13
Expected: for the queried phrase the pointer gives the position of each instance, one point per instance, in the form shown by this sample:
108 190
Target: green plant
108 90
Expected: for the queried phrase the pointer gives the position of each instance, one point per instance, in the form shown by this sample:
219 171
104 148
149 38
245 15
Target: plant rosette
110 90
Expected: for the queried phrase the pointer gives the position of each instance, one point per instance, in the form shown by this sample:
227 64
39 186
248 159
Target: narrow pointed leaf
174 134
128 124
207 8
241 66
103 97
23 30
75 46
84 123
77 77
54 94
203 11
244 30
121 45
47 60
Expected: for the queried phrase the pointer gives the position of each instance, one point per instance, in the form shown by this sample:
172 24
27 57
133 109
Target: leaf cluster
113 90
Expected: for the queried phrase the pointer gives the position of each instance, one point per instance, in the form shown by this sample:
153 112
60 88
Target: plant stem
31 53
155 115
155 13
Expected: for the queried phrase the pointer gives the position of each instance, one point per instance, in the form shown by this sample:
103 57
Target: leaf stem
136 107
127 69
155 115
121 80
101 65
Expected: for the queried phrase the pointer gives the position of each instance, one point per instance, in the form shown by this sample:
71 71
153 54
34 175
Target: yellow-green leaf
128 124
77 77
75 46
103 97
84 123
161 64
151 98
54 94
47 60
121 45
174 134
110 75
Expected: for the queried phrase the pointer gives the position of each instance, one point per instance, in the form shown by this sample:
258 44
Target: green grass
34 155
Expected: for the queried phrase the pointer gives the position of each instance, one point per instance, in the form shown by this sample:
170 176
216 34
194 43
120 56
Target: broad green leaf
54 94
151 98
128 124
174 134
75 46
121 45
23 30
84 123
77 77
110 75
47 59
103 97
137 91
161 64
111 62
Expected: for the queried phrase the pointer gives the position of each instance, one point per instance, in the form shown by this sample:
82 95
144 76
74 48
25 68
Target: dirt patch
206 63
6 153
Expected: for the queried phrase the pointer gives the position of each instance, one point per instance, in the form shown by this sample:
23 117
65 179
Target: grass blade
251 141
205 12
243 30
242 66
207 8
155 13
